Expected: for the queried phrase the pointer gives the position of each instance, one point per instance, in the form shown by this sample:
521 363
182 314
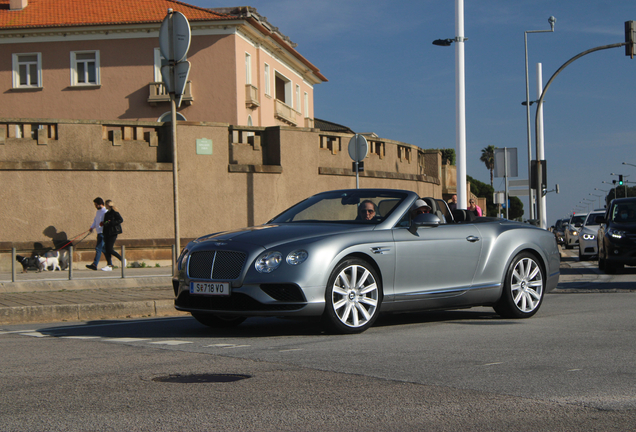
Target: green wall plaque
204 146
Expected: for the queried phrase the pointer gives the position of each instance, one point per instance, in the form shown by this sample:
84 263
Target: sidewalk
90 295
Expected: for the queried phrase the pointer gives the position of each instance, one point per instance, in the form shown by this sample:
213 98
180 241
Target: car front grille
284 292
216 265
237 302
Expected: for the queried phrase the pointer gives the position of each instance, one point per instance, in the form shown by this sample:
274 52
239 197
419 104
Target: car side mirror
424 220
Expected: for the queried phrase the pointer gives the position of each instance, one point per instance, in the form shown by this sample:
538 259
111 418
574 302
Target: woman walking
112 228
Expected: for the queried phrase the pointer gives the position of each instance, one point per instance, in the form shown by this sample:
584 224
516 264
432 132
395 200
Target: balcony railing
159 93
285 113
251 96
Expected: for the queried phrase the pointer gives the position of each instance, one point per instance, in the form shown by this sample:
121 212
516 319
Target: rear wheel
523 288
353 297
218 321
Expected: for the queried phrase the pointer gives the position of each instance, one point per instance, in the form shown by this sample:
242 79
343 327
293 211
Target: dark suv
617 235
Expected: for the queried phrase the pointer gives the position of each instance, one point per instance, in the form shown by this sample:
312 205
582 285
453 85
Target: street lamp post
614 187
603 190
460 93
599 199
552 21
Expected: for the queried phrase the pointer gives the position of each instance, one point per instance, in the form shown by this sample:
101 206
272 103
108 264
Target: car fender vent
284 292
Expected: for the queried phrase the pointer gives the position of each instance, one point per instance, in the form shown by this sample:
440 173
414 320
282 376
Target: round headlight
588 236
268 262
297 257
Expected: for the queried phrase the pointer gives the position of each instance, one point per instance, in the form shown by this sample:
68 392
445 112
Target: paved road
571 367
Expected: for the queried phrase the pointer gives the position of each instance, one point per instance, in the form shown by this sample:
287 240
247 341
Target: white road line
226 346
80 337
492 364
34 334
170 342
292 349
16 331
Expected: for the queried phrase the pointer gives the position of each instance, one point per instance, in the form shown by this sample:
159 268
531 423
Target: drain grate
201 378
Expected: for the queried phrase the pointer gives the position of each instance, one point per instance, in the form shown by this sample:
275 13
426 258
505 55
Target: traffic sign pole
174 42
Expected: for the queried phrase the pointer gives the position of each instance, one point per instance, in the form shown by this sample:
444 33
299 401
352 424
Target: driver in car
367 210
420 207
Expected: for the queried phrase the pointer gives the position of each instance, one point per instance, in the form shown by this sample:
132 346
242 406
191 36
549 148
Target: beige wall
247 180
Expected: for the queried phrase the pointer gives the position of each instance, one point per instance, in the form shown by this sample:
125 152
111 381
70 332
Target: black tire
352 307
601 262
567 246
218 321
524 287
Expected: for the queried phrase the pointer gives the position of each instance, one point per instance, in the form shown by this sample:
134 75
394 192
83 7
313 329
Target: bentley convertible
348 255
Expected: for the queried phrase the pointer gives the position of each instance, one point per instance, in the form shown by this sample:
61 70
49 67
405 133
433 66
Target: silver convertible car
348 255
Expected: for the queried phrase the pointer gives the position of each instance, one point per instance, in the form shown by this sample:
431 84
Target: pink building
100 59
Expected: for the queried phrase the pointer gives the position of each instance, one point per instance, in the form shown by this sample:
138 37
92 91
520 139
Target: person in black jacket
112 228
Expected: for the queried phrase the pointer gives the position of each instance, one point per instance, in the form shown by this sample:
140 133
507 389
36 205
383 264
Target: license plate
210 288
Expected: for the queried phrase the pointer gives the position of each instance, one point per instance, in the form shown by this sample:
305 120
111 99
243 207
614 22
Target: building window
27 70
306 104
268 90
283 89
297 98
85 68
248 69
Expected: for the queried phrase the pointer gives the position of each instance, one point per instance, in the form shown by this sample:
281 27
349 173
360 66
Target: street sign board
506 158
167 79
180 37
181 72
358 148
518 183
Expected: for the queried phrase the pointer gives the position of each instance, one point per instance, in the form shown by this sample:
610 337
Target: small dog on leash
50 258
27 262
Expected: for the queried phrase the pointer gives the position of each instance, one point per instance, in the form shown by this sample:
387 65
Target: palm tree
488 158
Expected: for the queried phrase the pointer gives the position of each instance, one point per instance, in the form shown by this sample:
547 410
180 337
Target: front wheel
523 288
352 297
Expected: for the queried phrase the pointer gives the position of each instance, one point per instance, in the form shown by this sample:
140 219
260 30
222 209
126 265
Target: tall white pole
540 147
460 91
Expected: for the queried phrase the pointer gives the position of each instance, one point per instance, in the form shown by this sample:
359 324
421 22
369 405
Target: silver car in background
588 246
347 255
571 237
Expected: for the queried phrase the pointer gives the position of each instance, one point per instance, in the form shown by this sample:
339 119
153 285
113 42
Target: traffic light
620 180
630 38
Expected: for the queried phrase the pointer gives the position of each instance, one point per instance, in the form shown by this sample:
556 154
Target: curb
85 312
84 284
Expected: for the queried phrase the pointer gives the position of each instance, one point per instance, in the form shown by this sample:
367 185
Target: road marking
226 346
80 337
170 342
16 331
575 370
34 334
292 349
492 364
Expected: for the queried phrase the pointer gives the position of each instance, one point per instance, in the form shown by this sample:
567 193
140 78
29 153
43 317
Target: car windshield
354 206
591 219
624 213
578 219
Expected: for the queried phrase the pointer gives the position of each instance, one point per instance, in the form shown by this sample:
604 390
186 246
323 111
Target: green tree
488 158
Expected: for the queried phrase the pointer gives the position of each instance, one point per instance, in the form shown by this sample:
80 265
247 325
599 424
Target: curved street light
527 103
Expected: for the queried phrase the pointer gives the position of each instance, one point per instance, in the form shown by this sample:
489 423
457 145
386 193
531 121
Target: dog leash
71 241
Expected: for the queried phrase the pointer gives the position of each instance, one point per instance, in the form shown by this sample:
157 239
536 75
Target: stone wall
229 177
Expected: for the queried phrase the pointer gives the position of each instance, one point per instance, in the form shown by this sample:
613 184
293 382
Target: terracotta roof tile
66 13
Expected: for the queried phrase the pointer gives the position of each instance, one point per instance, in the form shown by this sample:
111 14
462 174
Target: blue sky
385 76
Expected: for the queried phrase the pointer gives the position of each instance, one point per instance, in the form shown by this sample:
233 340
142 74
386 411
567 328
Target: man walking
98 226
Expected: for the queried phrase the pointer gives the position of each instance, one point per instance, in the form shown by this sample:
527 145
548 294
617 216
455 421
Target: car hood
271 235
593 229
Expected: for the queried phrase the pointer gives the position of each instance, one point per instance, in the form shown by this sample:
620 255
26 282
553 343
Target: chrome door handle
472 239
